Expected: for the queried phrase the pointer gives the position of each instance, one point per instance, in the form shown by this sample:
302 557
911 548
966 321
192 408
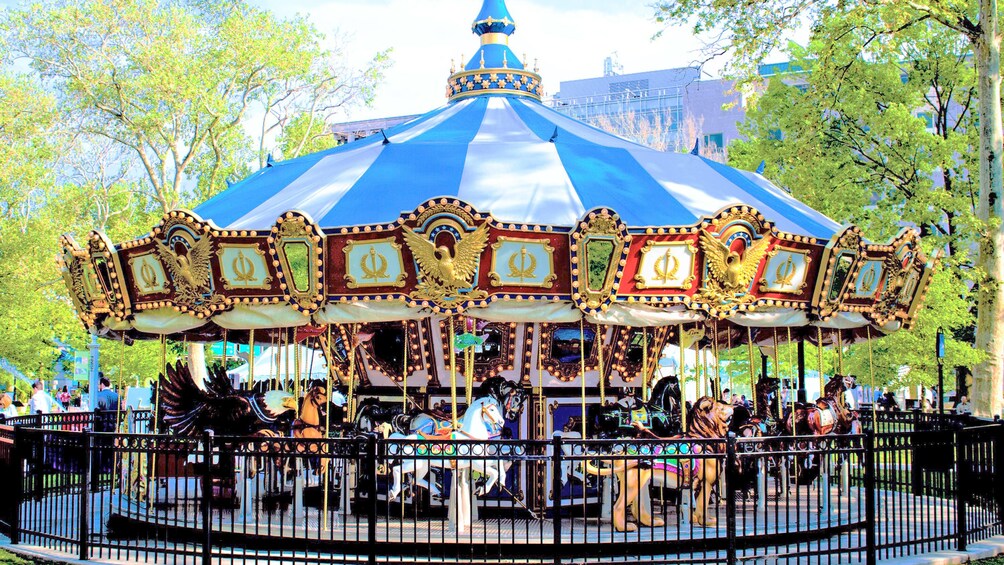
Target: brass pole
600 334
777 375
582 362
682 376
404 373
819 354
251 360
453 373
224 348
840 353
644 364
792 372
749 348
871 371
352 372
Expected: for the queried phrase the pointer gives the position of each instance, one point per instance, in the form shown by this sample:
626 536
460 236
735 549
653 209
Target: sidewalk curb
985 549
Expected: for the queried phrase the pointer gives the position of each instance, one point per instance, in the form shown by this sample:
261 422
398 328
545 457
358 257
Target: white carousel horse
483 420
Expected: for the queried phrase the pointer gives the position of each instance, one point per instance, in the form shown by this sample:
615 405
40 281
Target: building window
714 141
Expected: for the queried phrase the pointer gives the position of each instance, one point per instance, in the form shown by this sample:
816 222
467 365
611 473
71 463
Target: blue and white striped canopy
496 153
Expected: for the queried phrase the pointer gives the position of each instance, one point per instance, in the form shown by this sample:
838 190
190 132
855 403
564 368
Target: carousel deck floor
174 530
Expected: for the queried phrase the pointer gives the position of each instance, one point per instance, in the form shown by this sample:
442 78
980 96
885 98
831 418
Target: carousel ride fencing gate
910 484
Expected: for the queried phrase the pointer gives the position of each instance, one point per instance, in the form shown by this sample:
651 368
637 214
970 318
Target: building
345 132
674 103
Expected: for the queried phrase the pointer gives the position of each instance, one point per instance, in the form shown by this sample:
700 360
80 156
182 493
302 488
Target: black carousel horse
746 423
661 414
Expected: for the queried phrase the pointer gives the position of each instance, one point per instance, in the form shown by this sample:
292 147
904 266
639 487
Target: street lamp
940 353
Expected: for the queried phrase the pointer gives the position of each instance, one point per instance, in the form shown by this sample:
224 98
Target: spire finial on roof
760 168
494 69
697 147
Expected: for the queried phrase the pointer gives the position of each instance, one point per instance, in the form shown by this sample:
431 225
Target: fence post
207 497
871 548
371 471
730 500
960 492
85 483
18 460
556 496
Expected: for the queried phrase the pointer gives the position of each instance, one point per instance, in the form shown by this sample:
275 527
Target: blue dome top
493 18
494 68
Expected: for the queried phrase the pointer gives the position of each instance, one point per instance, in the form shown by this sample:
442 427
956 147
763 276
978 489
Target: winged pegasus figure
445 272
733 272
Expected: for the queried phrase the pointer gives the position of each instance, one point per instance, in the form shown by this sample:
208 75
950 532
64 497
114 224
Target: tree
156 103
751 30
174 83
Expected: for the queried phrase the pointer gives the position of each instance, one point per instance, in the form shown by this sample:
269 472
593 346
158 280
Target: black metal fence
829 499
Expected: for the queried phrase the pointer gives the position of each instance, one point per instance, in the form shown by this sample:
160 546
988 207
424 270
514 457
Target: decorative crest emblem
374 265
243 268
784 275
729 272
445 273
666 266
527 267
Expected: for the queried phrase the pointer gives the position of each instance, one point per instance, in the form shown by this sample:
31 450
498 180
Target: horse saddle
642 416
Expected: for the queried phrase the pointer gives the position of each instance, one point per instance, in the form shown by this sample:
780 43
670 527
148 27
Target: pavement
985 549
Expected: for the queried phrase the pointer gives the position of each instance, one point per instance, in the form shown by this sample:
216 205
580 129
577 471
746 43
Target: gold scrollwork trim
147 281
786 271
522 269
373 264
240 268
641 283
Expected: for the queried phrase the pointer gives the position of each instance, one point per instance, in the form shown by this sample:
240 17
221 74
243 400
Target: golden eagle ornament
730 273
190 271
443 273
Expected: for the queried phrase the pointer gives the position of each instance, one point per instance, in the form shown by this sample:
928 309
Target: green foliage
888 138
598 253
131 108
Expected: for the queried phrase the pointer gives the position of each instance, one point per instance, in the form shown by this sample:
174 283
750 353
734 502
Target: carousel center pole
453 374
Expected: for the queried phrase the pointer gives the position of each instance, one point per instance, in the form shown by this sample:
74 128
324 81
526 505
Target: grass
8 558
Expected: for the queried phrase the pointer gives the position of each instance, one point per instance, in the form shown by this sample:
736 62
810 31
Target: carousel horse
483 420
709 419
508 397
746 424
661 413
371 414
828 416
313 421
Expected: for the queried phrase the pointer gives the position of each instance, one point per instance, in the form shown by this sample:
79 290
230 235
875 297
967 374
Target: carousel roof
510 155
501 207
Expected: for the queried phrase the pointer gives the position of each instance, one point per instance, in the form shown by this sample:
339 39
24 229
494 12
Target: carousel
491 248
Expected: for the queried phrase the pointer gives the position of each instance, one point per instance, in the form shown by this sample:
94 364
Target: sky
569 39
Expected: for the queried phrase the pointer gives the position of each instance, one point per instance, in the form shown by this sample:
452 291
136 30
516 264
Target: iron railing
835 499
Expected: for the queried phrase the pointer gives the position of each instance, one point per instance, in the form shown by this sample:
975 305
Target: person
851 397
64 397
107 400
39 403
964 406
745 402
727 396
7 408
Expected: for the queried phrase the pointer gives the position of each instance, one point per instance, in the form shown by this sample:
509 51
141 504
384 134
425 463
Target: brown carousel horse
827 416
708 419
312 424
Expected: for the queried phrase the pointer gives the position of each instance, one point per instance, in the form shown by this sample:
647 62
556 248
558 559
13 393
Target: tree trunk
988 380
